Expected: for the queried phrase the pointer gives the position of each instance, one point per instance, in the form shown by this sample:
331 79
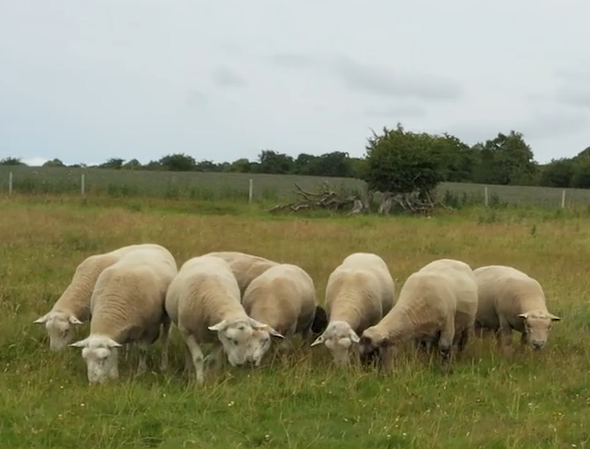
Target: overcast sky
84 81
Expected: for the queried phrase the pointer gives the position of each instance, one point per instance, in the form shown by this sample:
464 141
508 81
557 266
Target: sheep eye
234 341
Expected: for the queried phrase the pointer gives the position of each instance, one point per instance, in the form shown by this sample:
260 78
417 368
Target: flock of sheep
241 303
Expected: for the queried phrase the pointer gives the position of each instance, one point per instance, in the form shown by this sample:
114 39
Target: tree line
395 160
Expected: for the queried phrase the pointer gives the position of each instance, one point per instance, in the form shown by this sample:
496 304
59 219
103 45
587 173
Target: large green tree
558 173
178 162
400 161
507 159
277 163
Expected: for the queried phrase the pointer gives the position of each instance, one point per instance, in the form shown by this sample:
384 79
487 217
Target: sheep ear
353 336
80 344
42 320
554 317
318 341
218 327
274 333
74 320
257 324
523 316
113 344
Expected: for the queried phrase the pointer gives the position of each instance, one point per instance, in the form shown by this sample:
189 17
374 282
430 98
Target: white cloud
34 161
86 81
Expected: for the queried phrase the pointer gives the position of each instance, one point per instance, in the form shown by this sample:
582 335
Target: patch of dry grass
537 400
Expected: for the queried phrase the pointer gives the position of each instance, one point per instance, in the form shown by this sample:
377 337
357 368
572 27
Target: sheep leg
126 351
142 347
188 359
524 338
166 323
196 355
114 369
504 334
214 357
445 344
307 336
463 340
387 356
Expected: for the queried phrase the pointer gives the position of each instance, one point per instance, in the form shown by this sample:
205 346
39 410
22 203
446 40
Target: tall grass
522 399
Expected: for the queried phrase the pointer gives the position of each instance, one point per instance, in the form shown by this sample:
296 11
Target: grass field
234 186
521 400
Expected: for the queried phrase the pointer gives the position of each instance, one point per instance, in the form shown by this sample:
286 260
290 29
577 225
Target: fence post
83 184
563 199
10 183
485 195
250 190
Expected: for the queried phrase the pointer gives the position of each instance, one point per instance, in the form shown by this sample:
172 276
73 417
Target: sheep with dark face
437 303
512 300
360 291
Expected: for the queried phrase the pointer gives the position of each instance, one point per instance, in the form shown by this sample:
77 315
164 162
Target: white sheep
438 302
73 306
204 302
127 306
284 298
512 300
245 267
359 292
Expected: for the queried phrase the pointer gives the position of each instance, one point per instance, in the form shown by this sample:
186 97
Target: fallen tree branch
325 199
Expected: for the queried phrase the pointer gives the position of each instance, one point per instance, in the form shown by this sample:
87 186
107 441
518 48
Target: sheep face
60 328
537 325
339 338
260 343
372 347
100 354
236 337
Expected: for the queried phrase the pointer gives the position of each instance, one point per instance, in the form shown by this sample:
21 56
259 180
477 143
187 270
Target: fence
83 186
253 187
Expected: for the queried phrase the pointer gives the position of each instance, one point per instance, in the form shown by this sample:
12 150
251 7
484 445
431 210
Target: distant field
234 186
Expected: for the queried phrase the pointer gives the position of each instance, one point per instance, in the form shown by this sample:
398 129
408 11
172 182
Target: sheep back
245 267
507 292
283 297
128 300
76 297
360 291
203 293
465 288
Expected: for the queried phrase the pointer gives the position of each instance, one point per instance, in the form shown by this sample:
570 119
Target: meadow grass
267 188
521 400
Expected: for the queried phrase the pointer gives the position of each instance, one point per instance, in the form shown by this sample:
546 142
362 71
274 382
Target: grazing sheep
245 267
284 298
511 300
205 297
127 306
466 309
436 303
73 307
359 292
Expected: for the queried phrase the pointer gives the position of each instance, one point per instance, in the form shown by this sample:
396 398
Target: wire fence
246 187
